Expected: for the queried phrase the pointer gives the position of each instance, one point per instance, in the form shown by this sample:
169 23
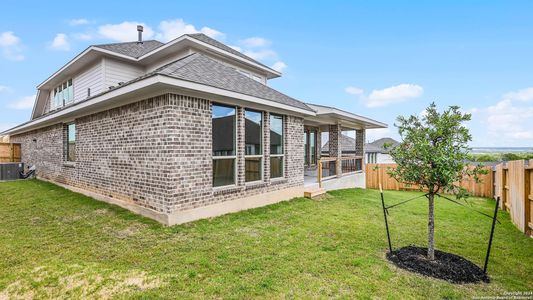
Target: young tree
432 156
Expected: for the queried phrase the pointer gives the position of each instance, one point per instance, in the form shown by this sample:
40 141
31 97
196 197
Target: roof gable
202 69
132 49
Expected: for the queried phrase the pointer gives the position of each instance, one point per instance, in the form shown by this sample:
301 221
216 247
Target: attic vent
120 83
111 87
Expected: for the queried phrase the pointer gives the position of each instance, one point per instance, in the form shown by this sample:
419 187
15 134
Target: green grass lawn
55 243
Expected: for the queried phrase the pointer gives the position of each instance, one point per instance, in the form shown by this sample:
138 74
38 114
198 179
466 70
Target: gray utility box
11 171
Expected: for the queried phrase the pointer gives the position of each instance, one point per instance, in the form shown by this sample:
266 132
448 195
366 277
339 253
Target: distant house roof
348 145
379 144
202 69
132 49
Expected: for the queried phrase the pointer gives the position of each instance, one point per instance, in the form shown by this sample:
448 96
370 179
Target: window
63 94
224 154
310 142
71 142
276 146
253 137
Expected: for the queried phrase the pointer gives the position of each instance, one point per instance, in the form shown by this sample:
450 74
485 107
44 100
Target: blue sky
374 58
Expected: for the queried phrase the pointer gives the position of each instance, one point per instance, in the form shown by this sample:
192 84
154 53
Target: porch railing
328 166
351 164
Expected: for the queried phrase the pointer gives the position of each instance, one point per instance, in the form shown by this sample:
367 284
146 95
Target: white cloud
60 42
23 103
521 95
166 31
124 32
507 120
261 54
279 66
11 46
255 42
8 39
171 29
77 22
394 94
353 90
4 88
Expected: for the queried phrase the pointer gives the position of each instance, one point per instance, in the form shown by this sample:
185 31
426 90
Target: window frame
282 155
63 94
262 148
67 142
225 157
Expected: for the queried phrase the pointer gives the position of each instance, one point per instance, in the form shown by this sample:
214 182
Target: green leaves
434 149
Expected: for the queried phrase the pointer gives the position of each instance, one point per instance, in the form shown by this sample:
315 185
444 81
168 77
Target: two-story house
182 130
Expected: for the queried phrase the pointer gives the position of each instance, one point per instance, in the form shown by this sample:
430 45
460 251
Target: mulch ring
446 266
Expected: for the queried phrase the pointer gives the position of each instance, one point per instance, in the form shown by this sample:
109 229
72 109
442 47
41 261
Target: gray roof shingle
202 69
204 38
132 49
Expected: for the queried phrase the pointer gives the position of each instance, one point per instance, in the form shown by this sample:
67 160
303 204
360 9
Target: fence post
11 152
528 197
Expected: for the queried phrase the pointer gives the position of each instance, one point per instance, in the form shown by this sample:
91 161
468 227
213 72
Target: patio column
360 145
335 146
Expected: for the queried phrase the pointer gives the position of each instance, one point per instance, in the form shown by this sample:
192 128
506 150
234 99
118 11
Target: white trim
156 50
77 57
146 82
325 110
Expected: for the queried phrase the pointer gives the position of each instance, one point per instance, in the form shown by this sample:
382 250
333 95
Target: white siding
116 71
91 78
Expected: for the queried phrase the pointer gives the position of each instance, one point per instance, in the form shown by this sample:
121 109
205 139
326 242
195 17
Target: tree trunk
431 228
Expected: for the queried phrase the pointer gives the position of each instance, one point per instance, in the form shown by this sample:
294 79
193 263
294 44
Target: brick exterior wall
335 146
359 142
156 153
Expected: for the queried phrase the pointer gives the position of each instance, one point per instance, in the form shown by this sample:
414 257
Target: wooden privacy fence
376 173
511 181
9 152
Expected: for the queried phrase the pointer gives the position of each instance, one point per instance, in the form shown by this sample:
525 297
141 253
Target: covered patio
341 165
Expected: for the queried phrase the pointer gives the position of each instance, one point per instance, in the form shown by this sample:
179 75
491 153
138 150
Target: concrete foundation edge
235 205
203 212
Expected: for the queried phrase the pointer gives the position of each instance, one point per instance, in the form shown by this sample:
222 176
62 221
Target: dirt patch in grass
79 282
446 266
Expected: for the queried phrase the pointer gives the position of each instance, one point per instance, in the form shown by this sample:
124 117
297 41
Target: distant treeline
484 157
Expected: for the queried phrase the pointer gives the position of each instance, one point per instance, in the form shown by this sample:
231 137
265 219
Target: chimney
140 31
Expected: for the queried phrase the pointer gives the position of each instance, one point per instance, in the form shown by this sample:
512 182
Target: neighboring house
178 131
375 152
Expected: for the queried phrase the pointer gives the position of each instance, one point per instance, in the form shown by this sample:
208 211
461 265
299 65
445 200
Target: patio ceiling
326 116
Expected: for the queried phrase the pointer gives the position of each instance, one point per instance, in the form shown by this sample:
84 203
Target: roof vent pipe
140 31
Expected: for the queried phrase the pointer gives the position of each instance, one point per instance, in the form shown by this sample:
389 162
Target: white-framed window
70 143
253 140
224 145
276 146
63 94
